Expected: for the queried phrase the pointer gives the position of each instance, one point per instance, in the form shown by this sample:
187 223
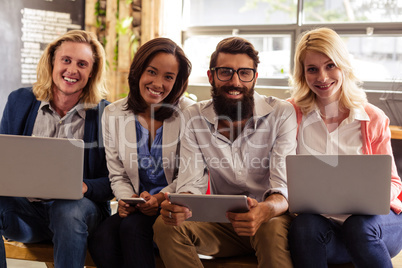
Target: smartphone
132 201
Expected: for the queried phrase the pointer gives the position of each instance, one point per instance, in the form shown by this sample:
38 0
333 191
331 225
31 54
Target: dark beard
235 110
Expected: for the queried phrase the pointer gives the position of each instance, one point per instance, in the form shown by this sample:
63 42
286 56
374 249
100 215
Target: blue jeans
67 223
364 240
124 242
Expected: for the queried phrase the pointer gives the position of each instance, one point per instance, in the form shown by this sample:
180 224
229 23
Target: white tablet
210 208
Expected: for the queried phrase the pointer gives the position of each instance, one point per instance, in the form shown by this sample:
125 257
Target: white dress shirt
315 139
253 164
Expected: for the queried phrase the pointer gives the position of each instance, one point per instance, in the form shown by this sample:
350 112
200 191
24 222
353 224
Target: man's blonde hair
329 43
95 89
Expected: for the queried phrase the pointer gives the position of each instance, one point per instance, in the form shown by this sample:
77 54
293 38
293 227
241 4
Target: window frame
294 30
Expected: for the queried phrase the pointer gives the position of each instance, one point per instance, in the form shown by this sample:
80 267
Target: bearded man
239 139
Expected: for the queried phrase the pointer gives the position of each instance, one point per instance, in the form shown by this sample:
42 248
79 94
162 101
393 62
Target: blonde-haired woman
334 117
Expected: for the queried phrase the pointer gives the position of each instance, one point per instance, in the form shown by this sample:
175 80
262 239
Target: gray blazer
119 134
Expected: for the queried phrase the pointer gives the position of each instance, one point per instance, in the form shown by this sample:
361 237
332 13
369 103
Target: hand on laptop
84 188
173 214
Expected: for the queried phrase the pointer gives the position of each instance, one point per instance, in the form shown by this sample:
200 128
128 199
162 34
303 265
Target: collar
79 108
358 114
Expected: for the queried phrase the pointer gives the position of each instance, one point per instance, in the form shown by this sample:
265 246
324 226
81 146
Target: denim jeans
67 223
128 242
364 240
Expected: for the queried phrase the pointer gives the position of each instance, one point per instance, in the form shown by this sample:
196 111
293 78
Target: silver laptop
339 184
37 167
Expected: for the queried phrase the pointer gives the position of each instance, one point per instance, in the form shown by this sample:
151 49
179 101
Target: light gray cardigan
120 139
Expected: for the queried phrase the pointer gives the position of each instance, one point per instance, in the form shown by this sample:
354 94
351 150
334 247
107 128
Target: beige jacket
119 134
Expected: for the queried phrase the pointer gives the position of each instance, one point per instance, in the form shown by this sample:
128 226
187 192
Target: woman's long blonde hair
329 43
95 90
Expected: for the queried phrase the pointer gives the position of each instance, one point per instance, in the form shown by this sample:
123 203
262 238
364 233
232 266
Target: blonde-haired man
65 102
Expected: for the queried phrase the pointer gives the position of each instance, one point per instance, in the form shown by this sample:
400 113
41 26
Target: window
274 52
238 12
352 11
372 30
376 58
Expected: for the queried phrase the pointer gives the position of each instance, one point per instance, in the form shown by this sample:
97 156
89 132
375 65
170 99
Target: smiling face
233 98
158 78
323 77
72 68
234 88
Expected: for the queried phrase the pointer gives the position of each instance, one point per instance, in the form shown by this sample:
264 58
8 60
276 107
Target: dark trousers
124 242
366 241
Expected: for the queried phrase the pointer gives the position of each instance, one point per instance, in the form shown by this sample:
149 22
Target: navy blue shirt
150 164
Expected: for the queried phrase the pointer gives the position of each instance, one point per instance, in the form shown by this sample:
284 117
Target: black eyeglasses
225 74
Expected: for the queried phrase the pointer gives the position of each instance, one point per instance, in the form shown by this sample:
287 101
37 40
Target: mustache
230 88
